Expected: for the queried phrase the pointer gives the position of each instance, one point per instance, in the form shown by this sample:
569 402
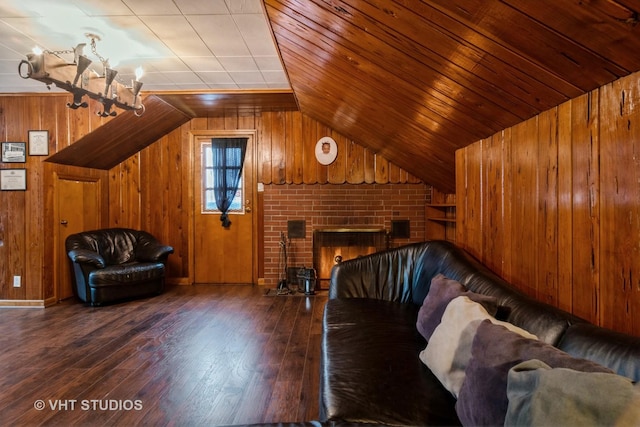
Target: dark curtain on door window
228 158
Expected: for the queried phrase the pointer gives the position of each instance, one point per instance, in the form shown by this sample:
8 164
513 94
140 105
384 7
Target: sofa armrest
151 252
149 248
87 257
615 350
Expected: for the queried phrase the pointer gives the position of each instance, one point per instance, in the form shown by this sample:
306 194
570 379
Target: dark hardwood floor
196 355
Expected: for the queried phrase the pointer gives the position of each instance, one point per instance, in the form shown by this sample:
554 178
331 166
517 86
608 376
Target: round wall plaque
326 150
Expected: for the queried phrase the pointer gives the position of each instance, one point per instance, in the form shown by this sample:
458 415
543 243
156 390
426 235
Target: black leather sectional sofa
371 369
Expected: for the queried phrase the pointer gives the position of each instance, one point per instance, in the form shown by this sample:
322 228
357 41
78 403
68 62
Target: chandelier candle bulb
137 84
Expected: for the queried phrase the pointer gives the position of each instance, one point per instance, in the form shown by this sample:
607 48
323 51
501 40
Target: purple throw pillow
442 291
483 395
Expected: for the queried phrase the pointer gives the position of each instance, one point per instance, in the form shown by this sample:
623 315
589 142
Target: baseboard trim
23 303
50 301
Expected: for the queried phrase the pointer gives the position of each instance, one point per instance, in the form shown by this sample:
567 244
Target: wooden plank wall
154 188
151 189
553 205
286 150
27 232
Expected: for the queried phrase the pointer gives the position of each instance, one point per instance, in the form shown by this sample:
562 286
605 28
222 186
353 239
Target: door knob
64 222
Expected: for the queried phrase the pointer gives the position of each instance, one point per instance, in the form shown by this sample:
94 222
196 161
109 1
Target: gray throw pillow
442 291
540 395
448 351
495 350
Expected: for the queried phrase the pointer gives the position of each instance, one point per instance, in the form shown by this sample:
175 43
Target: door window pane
208 197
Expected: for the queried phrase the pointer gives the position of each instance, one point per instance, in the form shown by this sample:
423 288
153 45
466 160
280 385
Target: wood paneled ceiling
416 80
240 102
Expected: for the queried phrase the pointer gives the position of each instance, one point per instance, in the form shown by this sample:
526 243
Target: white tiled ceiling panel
182 45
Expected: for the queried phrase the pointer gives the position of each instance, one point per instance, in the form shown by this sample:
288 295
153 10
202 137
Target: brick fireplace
327 206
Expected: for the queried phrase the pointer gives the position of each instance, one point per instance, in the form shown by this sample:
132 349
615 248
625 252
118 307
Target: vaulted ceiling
411 80
416 80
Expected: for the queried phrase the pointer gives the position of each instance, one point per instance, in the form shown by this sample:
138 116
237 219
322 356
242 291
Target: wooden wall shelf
441 219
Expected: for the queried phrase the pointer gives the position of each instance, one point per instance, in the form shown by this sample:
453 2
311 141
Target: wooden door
224 255
78 209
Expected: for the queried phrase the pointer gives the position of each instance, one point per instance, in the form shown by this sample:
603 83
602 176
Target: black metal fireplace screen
331 246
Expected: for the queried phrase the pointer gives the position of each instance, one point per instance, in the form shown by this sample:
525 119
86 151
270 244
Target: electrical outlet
16 281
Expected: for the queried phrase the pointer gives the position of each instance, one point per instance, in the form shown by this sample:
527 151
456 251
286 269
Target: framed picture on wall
13 179
38 142
14 152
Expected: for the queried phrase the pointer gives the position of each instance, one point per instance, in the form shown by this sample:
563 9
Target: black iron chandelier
76 77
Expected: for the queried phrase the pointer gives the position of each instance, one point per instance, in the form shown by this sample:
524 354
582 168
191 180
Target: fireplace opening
331 246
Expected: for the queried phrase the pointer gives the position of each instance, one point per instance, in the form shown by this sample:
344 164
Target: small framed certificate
13 179
38 142
14 152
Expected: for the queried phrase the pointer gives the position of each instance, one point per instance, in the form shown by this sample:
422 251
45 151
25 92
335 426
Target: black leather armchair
116 264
